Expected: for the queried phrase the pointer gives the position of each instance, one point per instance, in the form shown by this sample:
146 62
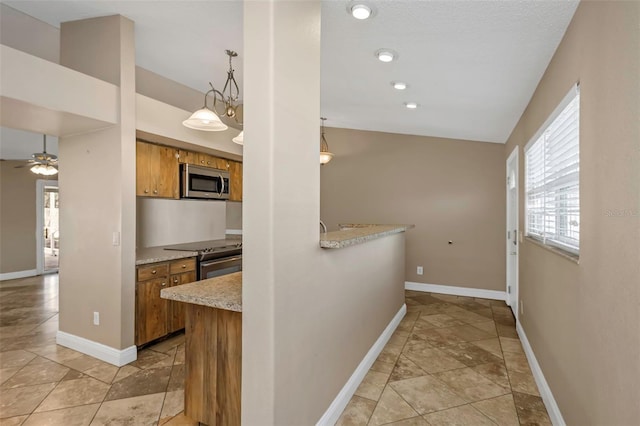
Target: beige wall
97 186
583 320
17 217
28 34
450 189
309 314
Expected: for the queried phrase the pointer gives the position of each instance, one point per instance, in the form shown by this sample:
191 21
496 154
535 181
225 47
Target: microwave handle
222 182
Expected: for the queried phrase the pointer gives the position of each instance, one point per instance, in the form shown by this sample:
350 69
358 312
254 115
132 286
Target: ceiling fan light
45 170
360 11
239 139
205 119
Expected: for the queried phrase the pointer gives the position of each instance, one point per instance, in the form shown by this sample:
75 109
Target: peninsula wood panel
213 358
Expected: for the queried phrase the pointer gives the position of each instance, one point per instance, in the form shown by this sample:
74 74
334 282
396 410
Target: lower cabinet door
176 309
151 310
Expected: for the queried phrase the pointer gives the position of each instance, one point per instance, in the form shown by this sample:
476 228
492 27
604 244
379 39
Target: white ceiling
471 65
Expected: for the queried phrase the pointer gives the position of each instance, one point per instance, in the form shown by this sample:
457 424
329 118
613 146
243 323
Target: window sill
569 256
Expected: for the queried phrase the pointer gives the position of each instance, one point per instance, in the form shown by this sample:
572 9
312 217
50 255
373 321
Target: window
552 178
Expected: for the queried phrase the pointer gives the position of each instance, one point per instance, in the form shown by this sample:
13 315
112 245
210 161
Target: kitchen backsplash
163 222
234 215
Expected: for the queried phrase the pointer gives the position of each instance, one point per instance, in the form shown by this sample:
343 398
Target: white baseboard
331 416
456 291
234 232
18 274
545 391
98 350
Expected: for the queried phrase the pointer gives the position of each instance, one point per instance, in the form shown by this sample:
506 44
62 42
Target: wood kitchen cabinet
235 177
176 309
157 317
156 171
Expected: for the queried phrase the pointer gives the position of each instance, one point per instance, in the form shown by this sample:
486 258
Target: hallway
452 361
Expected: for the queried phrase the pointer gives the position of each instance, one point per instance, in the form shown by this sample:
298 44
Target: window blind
552 178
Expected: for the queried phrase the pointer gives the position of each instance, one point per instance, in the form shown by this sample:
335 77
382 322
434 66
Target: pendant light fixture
209 119
325 155
239 139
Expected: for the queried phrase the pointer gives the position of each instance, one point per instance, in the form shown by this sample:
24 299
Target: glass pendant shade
239 139
205 119
46 170
325 157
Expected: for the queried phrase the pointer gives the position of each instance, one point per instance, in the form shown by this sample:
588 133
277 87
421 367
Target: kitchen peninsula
213 327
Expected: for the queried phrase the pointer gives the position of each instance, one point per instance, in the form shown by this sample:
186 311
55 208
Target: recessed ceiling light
360 11
411 105
399 85
386 55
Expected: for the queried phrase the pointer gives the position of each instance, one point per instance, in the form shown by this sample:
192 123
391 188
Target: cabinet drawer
152 271
183 265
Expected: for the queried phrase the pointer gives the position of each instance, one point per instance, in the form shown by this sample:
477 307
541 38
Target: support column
97 192
281 202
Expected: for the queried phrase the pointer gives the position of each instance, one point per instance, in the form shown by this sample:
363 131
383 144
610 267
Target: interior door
512 232
47 226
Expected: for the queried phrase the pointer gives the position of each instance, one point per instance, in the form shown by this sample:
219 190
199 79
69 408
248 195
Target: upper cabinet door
235 176
156 171
144 180
167 177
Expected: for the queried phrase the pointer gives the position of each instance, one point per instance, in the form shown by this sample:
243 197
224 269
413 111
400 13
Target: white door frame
513 295
40 185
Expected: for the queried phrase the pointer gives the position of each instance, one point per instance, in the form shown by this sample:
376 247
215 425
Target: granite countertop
352 234
159 254
223 292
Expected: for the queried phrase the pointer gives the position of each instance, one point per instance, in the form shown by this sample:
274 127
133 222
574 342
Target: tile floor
451 361
42 383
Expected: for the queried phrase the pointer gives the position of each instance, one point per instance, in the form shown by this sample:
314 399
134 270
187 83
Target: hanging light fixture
209 119
44 169
43 162
325 155
239 139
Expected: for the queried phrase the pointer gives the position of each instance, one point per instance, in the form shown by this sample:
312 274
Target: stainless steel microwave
203 182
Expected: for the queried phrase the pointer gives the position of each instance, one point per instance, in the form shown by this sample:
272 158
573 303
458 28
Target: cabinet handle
155 191
209 163
202 161
146 191
164 284
184 266
153 272
175 281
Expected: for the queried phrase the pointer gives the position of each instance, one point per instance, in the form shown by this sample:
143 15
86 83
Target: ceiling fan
42 163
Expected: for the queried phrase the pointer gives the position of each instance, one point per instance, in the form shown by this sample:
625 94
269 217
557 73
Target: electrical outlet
420 271
116 239
96 318
521 307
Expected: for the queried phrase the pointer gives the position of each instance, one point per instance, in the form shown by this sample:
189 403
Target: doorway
47 226
512 231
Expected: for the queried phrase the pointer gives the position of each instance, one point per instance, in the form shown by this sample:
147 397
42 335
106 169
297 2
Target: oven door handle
218 261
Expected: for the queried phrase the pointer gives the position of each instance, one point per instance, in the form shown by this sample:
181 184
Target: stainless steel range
215 258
